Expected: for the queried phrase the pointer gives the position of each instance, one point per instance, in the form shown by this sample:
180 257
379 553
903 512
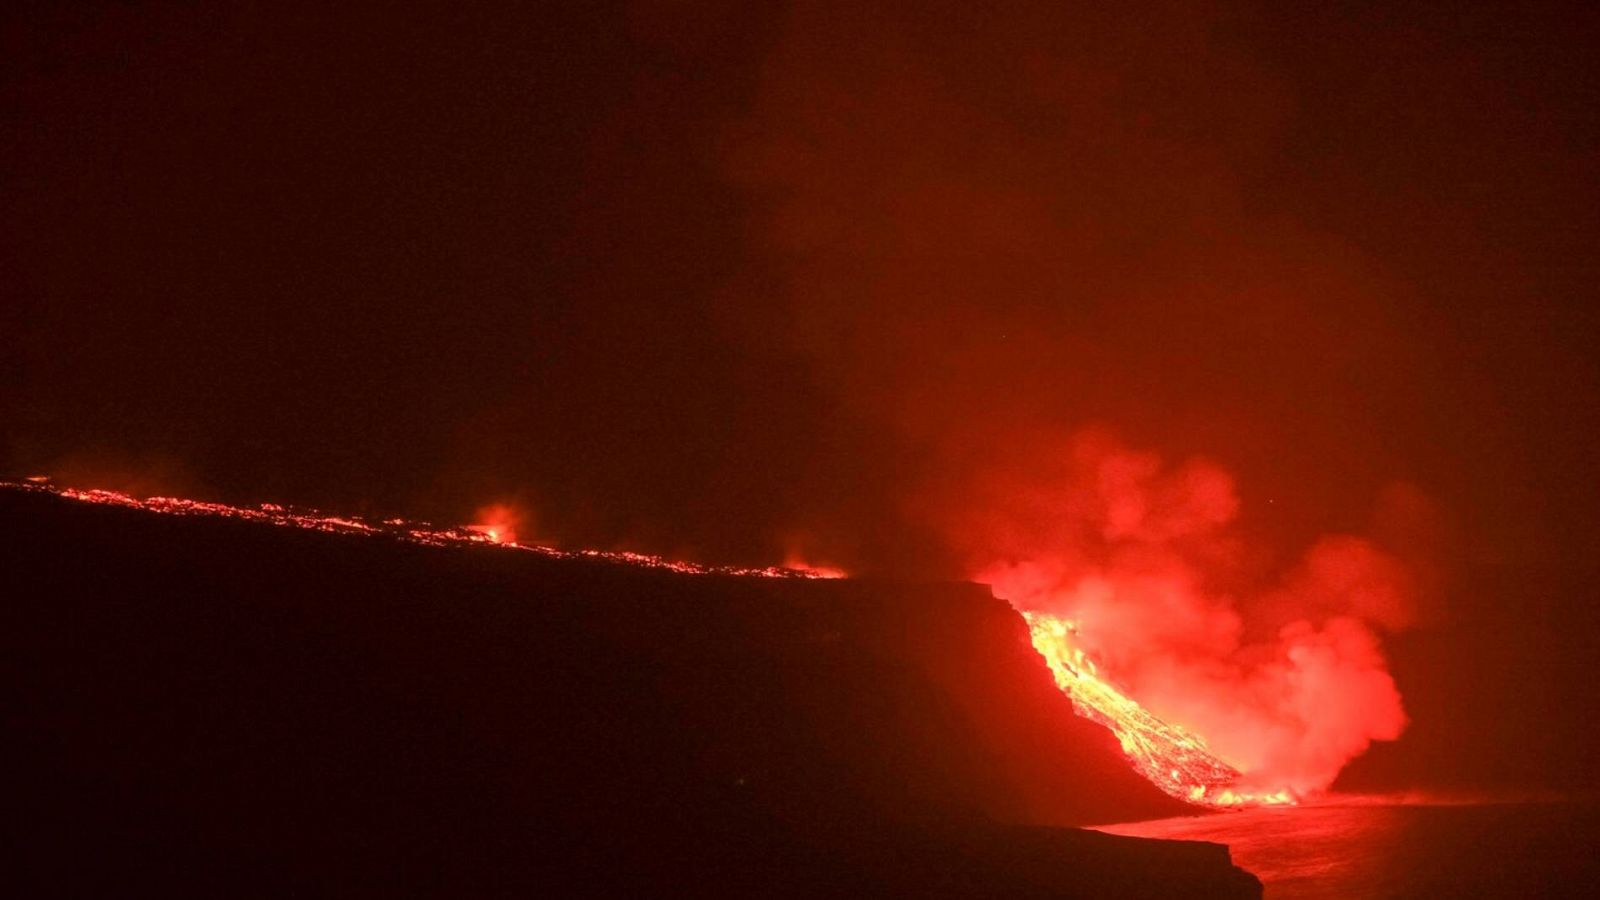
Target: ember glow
798 563
497 529
498 522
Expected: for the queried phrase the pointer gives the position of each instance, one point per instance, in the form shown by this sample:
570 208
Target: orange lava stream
401 529
1175 760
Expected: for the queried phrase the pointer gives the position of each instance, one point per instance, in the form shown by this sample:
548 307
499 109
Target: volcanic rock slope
209 707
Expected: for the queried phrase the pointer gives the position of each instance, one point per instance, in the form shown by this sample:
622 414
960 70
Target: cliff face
210 706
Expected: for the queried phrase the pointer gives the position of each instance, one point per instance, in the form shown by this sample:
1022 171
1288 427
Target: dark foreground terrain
208 707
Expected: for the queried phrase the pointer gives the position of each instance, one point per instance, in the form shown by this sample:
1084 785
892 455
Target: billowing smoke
1279 668
977 224
987 228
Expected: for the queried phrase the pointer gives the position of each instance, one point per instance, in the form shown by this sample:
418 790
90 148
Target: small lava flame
1172 758
498 522
797 563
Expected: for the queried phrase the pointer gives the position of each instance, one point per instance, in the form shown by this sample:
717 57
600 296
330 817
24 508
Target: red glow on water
1409 845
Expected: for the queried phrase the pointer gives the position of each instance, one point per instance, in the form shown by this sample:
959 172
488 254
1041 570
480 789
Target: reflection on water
1365 847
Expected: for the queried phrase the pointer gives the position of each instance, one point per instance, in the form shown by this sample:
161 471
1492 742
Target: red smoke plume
1281 672
500 522
990 227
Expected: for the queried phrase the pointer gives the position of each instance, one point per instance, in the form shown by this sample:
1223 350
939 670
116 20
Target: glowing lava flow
1172 758
413 532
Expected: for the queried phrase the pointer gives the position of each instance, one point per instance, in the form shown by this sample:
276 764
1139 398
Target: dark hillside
202 706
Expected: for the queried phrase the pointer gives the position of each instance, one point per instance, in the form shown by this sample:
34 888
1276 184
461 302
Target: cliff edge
204 706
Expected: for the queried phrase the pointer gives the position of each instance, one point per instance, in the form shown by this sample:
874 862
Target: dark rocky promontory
200 706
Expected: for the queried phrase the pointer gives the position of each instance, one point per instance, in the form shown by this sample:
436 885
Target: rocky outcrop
207 706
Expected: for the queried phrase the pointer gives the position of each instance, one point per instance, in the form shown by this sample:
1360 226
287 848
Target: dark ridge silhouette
208 707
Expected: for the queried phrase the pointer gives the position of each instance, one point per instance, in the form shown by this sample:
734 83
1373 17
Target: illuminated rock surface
209 706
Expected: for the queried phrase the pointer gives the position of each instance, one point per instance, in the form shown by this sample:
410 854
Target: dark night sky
703 278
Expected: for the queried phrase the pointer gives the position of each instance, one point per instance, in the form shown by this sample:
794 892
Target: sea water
1361 847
